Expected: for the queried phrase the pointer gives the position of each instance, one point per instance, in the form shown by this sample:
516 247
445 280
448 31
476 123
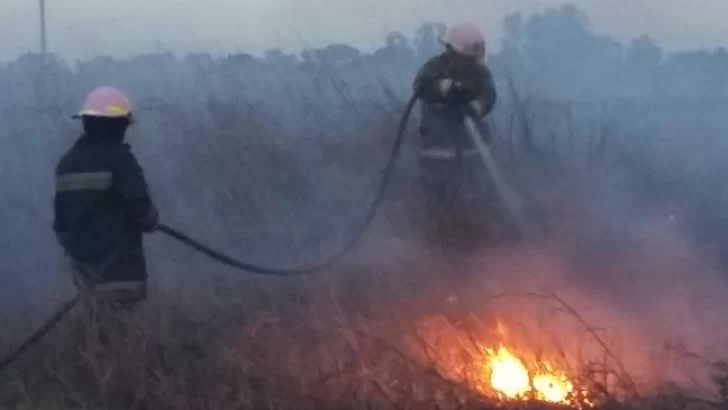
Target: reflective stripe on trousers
89 281
119 287
446 153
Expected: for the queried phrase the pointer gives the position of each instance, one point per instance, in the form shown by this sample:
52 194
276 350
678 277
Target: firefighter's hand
476 108
445 86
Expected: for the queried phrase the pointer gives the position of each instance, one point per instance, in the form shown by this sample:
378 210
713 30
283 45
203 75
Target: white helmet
467 40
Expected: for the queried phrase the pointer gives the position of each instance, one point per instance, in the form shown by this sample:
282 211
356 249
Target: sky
80 29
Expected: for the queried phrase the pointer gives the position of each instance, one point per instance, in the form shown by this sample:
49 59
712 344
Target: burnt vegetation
618 150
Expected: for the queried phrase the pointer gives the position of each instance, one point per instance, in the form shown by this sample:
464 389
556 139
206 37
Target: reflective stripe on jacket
101 204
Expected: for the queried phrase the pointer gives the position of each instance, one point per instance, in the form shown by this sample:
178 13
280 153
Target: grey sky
80 28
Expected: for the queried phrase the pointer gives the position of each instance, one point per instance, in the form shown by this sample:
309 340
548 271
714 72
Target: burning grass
506 375
420 334
432 361
324 348
373 338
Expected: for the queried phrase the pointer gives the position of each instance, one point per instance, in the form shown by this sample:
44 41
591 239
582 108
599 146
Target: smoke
273 159
655 298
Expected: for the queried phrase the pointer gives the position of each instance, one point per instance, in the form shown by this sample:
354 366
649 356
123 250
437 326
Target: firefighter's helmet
106 102
467 40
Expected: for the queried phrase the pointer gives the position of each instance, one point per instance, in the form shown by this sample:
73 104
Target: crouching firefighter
450 86
102 205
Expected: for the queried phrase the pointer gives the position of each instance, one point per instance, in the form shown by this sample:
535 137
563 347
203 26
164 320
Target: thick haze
82 28
616 143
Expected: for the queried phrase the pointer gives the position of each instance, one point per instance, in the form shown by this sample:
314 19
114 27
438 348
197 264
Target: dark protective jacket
102 206
442 118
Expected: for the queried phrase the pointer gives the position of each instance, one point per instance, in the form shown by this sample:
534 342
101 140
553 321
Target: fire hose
317 267
232 262
510 197
42 331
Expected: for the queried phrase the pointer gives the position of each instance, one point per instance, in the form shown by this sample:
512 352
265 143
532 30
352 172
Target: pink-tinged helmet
106 102
467 40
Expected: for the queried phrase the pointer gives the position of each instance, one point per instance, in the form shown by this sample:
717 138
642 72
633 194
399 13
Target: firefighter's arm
484 102
130 181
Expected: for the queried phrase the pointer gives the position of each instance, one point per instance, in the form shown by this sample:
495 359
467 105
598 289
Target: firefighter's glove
445 87
476 108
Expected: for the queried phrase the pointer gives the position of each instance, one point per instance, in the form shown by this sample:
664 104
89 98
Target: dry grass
338 341
400 330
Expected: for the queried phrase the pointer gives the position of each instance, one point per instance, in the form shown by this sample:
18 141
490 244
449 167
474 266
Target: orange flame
553 388
500 370
511 379
508 374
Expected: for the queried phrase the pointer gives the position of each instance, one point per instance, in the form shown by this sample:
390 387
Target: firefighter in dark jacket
102 205
450 86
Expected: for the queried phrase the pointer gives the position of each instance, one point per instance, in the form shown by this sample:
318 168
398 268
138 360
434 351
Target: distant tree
277 57
642 66
643 54
159 58
338 54
235 62
233 69
510 62
396 50
720 70
685 73
47 79
426 41
557 50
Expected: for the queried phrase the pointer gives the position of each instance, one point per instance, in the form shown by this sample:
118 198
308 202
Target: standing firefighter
102 204
450 86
